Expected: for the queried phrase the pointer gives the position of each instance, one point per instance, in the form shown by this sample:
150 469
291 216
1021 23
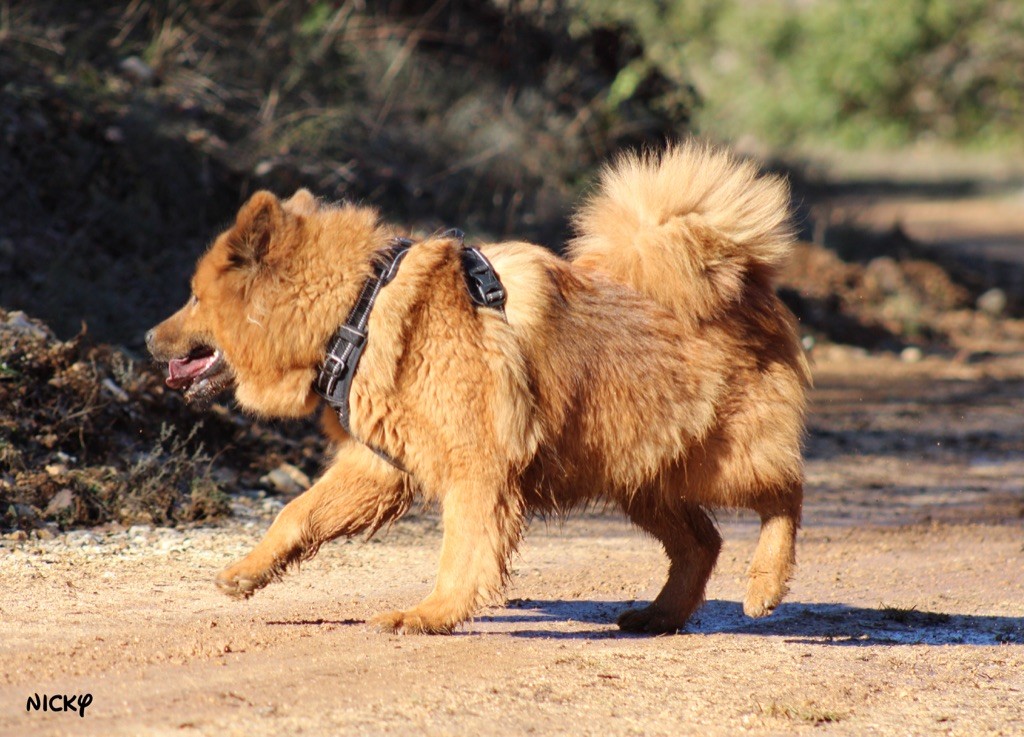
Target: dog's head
265 298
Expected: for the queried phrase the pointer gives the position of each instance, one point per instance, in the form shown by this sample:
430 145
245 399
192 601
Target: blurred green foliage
853 72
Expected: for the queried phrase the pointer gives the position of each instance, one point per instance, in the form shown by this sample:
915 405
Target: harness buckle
329 379
334 365
485 288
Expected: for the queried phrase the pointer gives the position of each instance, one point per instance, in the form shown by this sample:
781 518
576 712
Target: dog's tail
687 227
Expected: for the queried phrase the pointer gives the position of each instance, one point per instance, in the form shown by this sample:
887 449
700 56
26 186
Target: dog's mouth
201 375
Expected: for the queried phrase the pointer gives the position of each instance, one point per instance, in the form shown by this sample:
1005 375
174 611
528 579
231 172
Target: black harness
345 348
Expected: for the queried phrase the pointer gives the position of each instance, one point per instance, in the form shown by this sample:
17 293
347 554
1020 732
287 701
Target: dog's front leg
359 492
482 525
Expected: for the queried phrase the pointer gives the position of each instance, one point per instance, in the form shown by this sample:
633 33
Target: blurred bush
855 72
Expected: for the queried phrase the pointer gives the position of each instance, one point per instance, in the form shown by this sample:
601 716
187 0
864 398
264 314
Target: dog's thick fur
654 369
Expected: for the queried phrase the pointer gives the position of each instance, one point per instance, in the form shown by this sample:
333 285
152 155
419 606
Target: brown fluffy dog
654 369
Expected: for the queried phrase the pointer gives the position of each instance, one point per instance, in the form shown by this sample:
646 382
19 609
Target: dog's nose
150 335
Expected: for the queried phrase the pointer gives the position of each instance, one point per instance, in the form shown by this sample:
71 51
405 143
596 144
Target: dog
653 369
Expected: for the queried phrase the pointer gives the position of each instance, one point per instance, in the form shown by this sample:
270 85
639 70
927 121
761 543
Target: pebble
80 538
286 479
272 506
21 323
62 501
911 354
223 476
838 353
25 514
113 134
168 544
136 69
992 302
884 273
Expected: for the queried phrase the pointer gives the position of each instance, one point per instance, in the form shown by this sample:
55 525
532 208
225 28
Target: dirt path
906 615
990 227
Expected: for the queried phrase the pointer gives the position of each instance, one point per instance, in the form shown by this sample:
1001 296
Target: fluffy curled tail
688 226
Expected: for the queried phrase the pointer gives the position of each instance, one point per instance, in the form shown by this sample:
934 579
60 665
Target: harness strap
345 348
334 382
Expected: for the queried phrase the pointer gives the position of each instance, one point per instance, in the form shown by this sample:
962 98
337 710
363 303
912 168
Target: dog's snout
157 348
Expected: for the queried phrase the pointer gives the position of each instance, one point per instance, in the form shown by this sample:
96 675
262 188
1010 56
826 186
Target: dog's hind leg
482 526
358 493
775 555
692 543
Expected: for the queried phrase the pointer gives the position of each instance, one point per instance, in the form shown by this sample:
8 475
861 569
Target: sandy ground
906 614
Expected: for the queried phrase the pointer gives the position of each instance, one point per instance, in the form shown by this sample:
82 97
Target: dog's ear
257 222
301 203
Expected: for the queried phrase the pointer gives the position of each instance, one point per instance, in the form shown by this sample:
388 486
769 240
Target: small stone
137 70
45 533
223 476
63 501
272 506
992 302
20 322
80 538
839 353
286 479
23 515
16 536
911 354
884 273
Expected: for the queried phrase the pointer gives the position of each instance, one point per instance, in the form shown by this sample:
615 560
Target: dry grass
807 712
135 130
87 436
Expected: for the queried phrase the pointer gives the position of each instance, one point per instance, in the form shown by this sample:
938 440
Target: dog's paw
763 595
650 620
411 622
240 583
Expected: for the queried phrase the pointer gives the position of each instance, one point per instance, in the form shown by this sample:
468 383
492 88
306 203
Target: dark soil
90 436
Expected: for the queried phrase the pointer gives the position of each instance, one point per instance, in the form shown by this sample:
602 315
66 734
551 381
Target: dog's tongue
182 371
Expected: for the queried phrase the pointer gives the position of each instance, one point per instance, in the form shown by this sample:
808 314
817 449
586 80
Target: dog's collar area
345 348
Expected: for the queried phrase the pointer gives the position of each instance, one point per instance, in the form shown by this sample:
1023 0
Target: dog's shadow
818 624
